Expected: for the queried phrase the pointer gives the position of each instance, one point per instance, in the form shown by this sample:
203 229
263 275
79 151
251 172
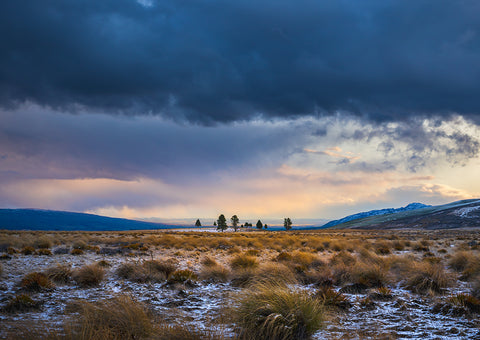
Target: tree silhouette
235 221
198 224
259 224
287 223
222 223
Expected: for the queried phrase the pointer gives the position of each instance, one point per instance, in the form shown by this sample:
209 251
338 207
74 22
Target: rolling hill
34 219
460 214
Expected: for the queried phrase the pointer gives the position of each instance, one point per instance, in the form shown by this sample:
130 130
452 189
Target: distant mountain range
460 214
34 219
411 206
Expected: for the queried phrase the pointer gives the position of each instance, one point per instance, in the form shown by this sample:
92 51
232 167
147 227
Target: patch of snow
465 212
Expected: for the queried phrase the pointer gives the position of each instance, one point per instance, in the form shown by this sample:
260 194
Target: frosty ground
363 280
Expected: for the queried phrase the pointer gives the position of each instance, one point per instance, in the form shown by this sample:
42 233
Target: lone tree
265 226
287 223
198 224
259 224
222 223
235 221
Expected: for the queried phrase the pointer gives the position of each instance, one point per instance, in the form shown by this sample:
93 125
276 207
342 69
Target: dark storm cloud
221 61
53 145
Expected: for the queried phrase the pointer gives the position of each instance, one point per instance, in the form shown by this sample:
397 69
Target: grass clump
148 271
426 277
460 260
36 281
469 302
88 275
44 251
209 262
243 261
21 303
216 273
333 299
274 311
28 250
118 318
59 273
182 276
77 251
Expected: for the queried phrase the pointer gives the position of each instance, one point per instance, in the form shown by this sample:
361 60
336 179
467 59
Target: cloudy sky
185 109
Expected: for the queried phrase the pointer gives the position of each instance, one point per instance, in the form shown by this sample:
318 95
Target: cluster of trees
221 223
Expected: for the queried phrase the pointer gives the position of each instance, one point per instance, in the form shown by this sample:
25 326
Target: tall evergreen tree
235 221
198 224
287 223
222 223
259 224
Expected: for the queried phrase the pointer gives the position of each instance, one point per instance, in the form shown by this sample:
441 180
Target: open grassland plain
240 285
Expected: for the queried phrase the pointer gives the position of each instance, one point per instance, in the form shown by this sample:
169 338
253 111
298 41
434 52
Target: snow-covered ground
406 315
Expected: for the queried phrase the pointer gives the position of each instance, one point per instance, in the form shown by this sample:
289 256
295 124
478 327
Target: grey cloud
54 145
223 61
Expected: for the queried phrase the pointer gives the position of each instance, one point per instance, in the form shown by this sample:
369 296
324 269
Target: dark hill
33 219
460 214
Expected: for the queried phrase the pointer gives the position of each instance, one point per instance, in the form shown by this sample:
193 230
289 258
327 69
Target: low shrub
274 311
21 303
59 273
36 281
88 275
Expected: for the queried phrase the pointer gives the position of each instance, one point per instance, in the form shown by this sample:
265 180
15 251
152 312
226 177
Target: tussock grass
243 261
36 281
215 273
21 303
28 250
59 273
44 251
332 299
119 318
182 276
209 261
460 260
426 277
470 302
88 275
273 311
